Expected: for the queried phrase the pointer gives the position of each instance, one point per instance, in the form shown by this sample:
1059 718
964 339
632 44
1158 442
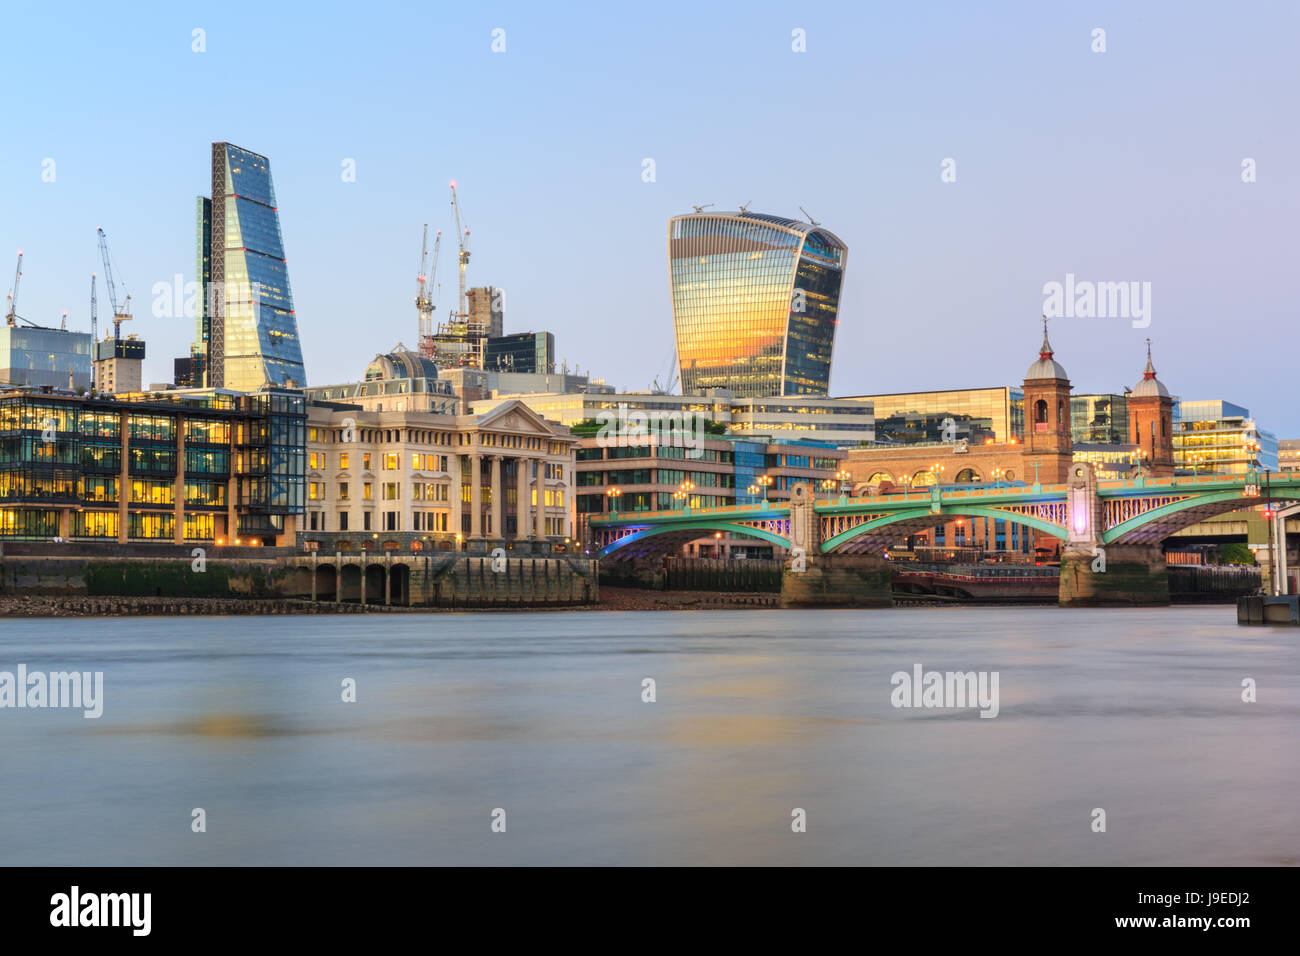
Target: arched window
1040 412
967 476
880 476
922 478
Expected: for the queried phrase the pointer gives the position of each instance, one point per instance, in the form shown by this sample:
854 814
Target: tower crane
462 240
424 289
11 316
94 327
124 313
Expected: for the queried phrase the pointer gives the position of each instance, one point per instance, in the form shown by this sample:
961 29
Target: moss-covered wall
129 577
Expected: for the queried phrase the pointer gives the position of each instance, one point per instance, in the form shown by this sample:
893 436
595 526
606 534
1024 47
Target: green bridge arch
1195 501
703 526
975 511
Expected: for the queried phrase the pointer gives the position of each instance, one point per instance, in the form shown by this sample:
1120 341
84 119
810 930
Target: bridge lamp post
764 480
613 494
753 491
684 492
843 477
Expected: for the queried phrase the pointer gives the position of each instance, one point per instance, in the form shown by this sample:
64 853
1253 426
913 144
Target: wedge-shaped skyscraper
247 334
755 302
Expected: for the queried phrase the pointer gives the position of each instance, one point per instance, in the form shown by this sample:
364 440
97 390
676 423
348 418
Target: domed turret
1046 366
1150 386
1047 415
401 362
1151 421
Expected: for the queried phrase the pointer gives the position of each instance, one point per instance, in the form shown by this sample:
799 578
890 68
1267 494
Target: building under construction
119 362
37 355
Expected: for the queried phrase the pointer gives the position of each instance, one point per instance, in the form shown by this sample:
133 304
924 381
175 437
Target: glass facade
1099 419
253 332
520 352
978 413
1217 437
31 356
83 467
755 303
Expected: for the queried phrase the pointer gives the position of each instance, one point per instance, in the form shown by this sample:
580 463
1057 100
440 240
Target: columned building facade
504 476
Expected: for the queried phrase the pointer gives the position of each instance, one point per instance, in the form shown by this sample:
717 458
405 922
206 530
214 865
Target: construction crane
124 313
94 328
11 316
462 239
424 290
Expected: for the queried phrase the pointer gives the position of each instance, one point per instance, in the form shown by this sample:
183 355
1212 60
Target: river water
757 713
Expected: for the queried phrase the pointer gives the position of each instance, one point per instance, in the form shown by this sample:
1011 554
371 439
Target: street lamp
612 494
843 477
764 480
684 492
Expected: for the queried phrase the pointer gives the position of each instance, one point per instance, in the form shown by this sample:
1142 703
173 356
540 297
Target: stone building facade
454 481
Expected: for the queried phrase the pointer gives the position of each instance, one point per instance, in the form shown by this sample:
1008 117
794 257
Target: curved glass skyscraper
251 339
755 302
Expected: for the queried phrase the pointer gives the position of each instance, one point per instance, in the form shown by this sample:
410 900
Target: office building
32 355
474 384
832 422
756 300
246 330
1099 419
976 414
194 466
521 352
1217 437
1288 454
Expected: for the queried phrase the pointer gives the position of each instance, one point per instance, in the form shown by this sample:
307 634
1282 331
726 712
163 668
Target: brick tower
1047 418
1151 422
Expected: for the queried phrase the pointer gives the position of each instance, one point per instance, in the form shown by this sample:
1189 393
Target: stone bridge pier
813 579
1094 574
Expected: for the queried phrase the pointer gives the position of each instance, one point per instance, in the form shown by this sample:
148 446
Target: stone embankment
55 606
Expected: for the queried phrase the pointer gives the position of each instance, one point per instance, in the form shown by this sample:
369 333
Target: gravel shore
611 599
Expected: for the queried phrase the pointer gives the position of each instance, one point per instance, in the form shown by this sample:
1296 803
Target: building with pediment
405 471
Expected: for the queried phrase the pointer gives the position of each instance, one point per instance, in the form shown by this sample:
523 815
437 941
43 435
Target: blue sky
1115 166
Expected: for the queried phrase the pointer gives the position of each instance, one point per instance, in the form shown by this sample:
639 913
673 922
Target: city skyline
1039 192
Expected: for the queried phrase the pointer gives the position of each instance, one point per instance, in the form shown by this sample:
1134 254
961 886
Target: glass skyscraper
755 302
246 334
